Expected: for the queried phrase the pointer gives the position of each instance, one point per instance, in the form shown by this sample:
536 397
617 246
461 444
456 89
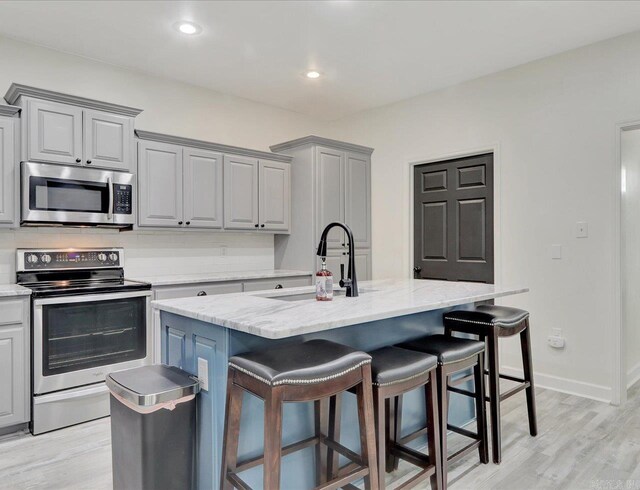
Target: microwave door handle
110 211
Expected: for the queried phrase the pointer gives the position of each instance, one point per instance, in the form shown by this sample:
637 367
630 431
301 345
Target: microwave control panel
122 197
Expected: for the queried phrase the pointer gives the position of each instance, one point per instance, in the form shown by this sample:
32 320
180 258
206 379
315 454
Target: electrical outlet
582 229
556 340
556 252
203 373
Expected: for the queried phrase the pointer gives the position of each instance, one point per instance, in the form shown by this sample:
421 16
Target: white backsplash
149 252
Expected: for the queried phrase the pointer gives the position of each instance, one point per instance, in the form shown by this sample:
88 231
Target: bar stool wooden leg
380 410
231 431
433 430
396 431
481 416
364 392
494 395
320 414
525 345
272 438
443 410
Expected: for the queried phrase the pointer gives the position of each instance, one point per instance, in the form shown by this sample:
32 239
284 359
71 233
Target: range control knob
32 259
46 258
102 257
113 257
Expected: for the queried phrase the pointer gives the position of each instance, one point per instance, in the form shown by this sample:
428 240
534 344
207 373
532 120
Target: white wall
553 122
169 107
630 214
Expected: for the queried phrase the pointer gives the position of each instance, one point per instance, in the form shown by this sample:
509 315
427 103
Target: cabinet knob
202 293
256 225
262 226
179 222
88 162
344 253
78 160
188 222
278 286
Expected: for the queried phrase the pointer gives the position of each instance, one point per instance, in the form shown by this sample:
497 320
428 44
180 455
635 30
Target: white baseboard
566 385
633 375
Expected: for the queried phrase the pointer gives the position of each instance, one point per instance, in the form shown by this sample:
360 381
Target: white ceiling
370 53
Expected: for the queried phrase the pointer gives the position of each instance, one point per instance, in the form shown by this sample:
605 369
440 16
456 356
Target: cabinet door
275 195
240 193
330 193
159 184
13 383
202 190
276 283
54 132
8 168
363 264
358 198
108 140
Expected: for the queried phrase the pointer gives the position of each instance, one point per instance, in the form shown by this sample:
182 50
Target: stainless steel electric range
87 320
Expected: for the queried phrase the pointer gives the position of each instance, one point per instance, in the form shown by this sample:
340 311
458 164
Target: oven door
78 340
57 194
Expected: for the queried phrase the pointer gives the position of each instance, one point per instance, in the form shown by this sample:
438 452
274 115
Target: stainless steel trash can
153 424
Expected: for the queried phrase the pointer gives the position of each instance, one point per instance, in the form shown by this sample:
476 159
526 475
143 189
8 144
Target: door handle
416 272
110 212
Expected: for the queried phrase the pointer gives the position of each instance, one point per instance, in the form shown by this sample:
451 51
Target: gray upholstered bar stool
489 323
303 372
454 356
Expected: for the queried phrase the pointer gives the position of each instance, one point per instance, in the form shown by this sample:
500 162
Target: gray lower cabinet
202 188
241 206
8 169
15 387
159 184
276 283
108 140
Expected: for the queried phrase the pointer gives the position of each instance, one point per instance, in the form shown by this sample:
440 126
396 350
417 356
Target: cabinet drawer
11 312
190 291
277 283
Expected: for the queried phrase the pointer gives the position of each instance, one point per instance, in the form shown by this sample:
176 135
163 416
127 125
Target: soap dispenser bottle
324 283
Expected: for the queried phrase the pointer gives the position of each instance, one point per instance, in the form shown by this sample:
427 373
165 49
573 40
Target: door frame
493 148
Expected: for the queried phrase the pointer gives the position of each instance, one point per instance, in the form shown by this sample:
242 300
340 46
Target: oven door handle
110 211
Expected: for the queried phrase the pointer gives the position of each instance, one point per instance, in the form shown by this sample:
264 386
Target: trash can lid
149 385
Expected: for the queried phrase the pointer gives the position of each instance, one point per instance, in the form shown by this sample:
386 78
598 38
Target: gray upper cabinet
62 128
108 140
274 195
54 132
202 188
330 187
358 198
159 184
8 169
241 206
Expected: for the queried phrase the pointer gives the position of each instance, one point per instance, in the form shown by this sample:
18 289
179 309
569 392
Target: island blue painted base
185 340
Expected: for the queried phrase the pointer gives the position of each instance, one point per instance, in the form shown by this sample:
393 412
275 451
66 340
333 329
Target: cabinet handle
202 293
88 162
78 160
256 225
188 222
262 226
179 222
278 286
344 253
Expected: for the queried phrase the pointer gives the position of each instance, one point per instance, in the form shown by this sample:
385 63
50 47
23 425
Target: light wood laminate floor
582 444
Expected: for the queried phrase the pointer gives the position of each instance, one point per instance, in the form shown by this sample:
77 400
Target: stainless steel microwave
76 196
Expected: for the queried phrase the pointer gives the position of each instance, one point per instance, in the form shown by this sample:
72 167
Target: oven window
96 333
48 194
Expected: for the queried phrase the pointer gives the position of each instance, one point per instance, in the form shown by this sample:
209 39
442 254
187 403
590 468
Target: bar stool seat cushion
486 316
391 365
446 349
314 361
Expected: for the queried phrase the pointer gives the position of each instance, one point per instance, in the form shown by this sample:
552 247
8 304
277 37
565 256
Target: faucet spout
351 283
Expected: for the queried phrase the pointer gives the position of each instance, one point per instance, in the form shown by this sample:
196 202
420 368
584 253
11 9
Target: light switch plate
582 229
203 373
556 252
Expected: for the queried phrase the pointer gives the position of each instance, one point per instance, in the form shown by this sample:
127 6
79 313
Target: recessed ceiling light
313 74
188 28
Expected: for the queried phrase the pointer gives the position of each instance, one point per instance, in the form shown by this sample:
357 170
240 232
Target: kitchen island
214 328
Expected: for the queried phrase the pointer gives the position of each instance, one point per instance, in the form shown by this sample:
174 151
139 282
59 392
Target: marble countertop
7 290
261 313
177 279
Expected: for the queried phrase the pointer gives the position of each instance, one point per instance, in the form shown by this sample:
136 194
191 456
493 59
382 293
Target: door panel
358 198
202 188
453 219
107 140
330 193
8 167
275 195
54 132
12 375
240 193
160 184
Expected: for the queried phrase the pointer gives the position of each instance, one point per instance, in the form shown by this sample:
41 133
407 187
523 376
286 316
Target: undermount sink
312 296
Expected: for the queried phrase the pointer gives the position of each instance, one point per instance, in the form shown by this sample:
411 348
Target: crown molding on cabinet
318 140
206 145
9 110
17 90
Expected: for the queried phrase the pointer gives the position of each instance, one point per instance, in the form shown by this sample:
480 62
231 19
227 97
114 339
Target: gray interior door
453 219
